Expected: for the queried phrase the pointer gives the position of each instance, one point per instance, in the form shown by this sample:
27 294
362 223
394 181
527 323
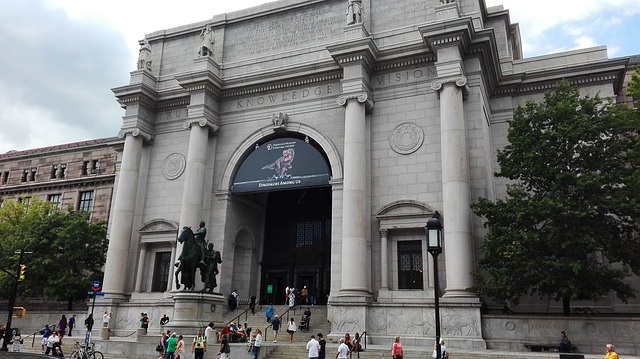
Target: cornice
199 81
609 71
88 181
400 63
140 93
362 51
332 76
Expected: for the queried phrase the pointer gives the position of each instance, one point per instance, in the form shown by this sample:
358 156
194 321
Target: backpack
445 355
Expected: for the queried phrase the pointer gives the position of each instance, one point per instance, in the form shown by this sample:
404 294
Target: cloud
56 77
550 25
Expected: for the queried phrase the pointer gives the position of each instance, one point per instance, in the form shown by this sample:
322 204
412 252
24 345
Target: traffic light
23 270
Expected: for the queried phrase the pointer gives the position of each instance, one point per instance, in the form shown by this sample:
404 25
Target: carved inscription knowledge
284 31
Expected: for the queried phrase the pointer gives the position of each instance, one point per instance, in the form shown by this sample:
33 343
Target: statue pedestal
194 310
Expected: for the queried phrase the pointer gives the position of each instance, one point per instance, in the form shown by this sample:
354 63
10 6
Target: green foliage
68 251
565 228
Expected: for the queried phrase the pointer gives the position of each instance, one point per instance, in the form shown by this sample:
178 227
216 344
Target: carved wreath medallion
174 165
406 138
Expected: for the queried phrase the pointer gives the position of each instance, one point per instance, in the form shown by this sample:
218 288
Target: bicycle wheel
97 355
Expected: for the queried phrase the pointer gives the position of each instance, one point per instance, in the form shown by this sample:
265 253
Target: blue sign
96 284
96 293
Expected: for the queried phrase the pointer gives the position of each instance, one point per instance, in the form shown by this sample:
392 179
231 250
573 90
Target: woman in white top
17 341
291 329
257 344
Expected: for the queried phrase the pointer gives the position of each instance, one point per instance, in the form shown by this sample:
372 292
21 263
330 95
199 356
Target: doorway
297 242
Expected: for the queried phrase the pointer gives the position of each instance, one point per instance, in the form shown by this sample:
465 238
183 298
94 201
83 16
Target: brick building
79 174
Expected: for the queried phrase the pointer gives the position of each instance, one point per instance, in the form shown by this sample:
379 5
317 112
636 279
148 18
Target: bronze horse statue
188 260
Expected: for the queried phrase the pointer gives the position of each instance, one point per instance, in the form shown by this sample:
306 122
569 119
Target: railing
33 335
298 303
362 342
236 319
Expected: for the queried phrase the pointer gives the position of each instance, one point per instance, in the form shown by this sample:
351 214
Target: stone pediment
159 225
404 214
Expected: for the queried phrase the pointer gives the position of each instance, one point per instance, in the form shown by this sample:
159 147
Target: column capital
458 81
135 132
202 122
360 97
384 233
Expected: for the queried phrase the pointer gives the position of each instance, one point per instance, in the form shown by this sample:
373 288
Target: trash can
571 356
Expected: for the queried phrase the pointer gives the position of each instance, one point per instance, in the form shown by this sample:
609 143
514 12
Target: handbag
159 348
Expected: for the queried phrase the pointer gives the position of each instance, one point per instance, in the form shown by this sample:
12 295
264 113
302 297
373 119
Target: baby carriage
304 322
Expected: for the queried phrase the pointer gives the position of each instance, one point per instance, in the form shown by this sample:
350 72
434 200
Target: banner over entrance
281 164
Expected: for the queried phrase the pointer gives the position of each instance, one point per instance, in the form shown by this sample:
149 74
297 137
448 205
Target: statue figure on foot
209 273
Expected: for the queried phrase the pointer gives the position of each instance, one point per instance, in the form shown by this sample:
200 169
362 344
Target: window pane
86 201
410 265
161 272
55 200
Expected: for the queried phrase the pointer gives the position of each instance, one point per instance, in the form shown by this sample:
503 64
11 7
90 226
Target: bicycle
84 352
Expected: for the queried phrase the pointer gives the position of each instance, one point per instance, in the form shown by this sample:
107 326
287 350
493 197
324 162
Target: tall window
26 202
161 272
4 177
86 201
55 200
410 265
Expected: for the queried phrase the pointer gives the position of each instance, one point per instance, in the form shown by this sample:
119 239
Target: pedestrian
313 295
172 344
225 349
252 304
72 323
611 352
199 344
17 341
106 317
210 333
323 347
269 312
343 350
291 329
275 326
443 350
62 325
313 347
565 344
257 344
52 341
180 347
396 348
164 320
292 298
46 333
304 294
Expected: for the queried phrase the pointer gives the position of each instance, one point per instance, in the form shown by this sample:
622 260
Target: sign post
96 286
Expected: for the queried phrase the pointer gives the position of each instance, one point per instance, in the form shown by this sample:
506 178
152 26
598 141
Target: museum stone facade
315 139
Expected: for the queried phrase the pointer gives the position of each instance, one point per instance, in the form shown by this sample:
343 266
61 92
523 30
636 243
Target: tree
566 226
68 251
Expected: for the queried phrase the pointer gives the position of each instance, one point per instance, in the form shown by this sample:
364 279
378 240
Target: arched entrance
287 176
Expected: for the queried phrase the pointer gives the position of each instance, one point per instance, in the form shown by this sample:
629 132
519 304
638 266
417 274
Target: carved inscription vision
284 31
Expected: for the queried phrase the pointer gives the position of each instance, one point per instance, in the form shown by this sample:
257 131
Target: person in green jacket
172 343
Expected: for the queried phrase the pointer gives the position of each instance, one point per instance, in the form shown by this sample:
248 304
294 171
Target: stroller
304 323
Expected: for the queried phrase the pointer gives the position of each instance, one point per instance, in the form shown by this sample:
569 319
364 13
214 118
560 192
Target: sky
59 59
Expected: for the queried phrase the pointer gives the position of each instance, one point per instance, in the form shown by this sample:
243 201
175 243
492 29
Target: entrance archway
286 179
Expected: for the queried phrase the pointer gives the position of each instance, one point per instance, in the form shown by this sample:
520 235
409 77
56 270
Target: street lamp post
434 246
12 301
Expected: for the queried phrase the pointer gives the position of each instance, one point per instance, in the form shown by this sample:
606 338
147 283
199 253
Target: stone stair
318 323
